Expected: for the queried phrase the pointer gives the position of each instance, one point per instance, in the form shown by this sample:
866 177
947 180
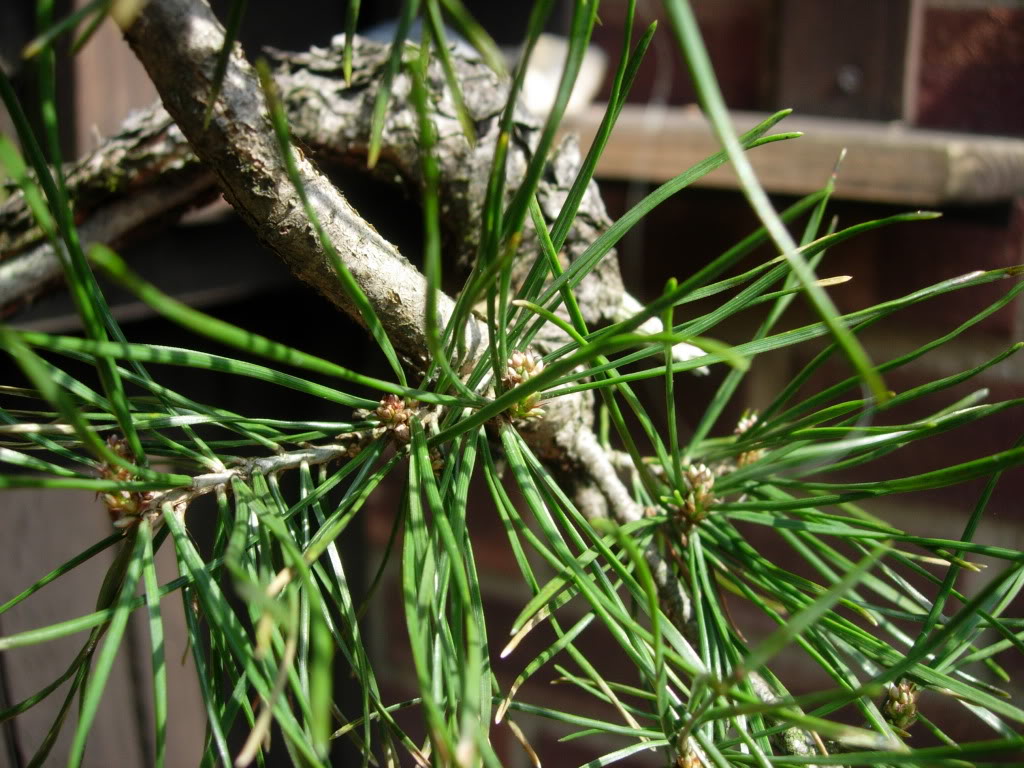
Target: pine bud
900 707
395 415
700 483
521 367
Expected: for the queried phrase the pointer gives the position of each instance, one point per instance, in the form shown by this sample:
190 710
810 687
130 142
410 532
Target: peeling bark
178 42
331 122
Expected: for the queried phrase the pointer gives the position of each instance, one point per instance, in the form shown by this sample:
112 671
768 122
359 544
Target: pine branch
158 163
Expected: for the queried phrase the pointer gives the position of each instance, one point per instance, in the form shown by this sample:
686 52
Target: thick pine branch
178 41
161 163
141 178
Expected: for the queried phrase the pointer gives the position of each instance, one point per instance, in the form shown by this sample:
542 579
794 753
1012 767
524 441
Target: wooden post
844 58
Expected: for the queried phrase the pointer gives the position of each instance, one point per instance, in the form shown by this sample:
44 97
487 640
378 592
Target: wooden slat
109 83
886 162
843 58
42 529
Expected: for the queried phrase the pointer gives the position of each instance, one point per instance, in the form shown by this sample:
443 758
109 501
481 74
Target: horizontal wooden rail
885 162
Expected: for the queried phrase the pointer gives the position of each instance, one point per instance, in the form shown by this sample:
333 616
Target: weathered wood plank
41 530
109 83
886 162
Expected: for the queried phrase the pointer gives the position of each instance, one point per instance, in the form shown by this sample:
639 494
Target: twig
24 277
180 498
600 468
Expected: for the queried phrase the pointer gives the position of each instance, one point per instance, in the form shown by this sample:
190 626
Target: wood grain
885 162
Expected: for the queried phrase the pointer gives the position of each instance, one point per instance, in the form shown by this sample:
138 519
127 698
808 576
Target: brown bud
395 414
900 706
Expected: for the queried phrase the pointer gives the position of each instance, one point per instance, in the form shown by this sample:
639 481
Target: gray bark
127 182
178 42
331 121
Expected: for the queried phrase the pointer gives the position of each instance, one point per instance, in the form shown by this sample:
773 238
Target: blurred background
925 96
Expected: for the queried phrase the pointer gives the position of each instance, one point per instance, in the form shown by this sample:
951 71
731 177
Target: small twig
597 464
28 274
180 498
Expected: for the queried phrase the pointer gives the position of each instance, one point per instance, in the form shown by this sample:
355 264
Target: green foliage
700 691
